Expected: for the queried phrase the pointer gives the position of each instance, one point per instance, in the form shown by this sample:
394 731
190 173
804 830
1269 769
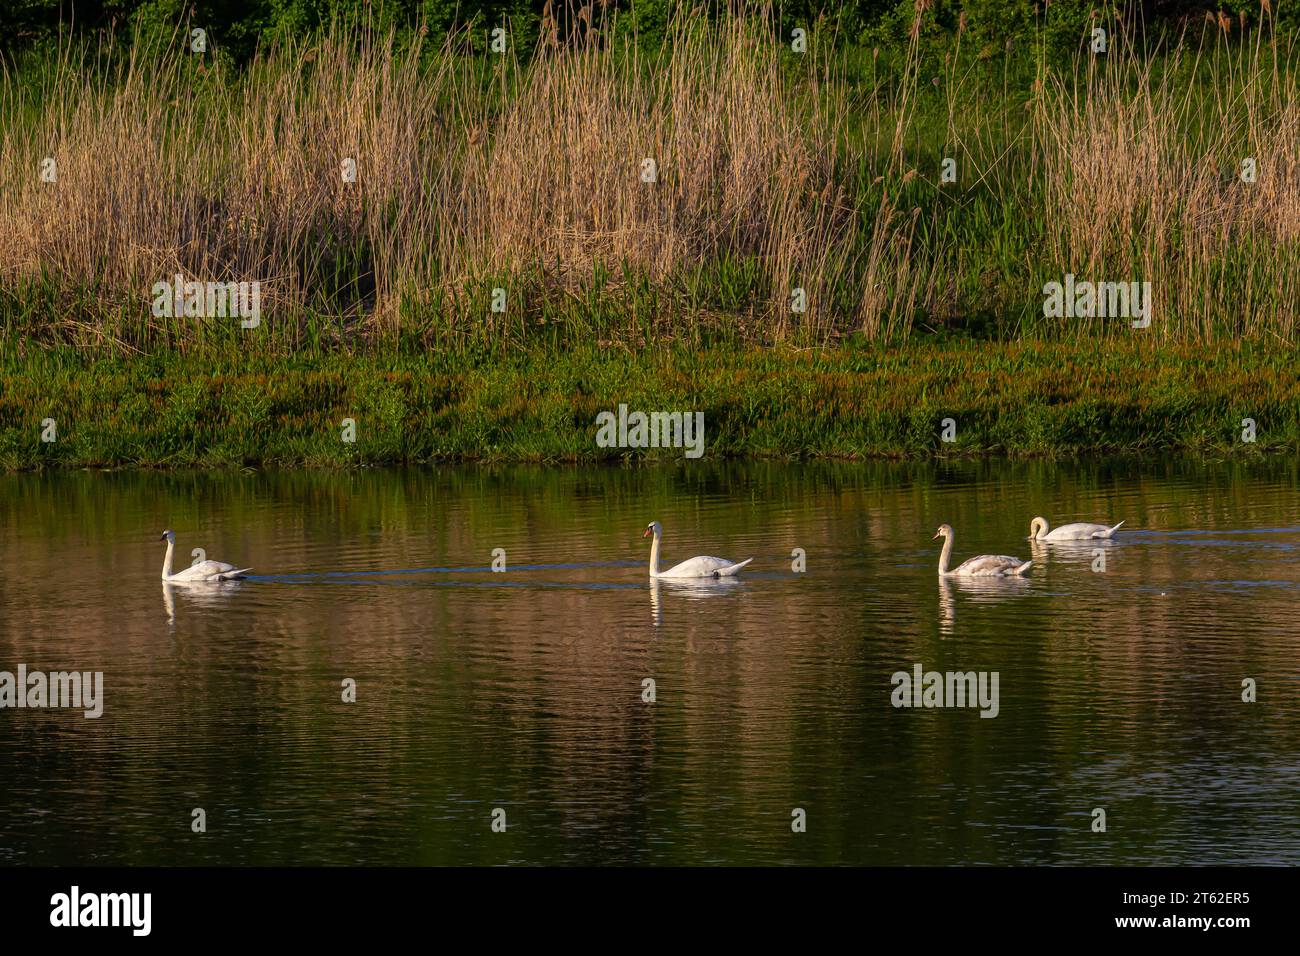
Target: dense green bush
236 27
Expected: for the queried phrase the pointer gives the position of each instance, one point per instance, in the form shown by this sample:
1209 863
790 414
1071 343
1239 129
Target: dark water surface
1118 689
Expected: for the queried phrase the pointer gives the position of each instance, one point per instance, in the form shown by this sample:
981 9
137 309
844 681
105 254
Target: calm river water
521 696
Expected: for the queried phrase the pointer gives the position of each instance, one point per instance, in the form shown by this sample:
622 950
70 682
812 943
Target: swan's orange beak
936 534
647 533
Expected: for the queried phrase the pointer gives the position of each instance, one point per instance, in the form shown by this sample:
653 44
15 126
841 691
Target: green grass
172 410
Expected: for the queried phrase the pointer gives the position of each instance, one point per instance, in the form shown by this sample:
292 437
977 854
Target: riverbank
169 410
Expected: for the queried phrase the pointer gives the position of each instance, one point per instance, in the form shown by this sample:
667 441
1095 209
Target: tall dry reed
467 170
770 172
1147 176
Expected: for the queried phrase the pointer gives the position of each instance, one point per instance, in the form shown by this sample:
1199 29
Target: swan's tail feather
232 575
1024 568
1109 531
733 569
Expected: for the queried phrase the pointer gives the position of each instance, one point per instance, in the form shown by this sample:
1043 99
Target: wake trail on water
466 569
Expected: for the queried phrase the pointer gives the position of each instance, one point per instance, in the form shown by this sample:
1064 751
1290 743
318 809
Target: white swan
984 566
1079 531
701 567
205 572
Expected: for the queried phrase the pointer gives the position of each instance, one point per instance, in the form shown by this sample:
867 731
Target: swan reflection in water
693 589
978 591
201 595
1093 552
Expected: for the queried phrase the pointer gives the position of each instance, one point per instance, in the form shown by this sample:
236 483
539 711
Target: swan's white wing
208 571
703 567
1079 531
734 569
991 565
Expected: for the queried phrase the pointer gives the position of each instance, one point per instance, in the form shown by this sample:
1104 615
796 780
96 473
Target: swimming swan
701 567
1079 531
984 566
205 572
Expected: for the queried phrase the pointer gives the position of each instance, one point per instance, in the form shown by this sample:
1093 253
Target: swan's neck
1041 529
167 561
945 554
654 556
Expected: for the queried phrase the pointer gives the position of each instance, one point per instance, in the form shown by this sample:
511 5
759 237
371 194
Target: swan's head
945 531
653 528
168 535
1037 527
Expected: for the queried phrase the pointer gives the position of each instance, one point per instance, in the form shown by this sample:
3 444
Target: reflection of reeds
476 171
